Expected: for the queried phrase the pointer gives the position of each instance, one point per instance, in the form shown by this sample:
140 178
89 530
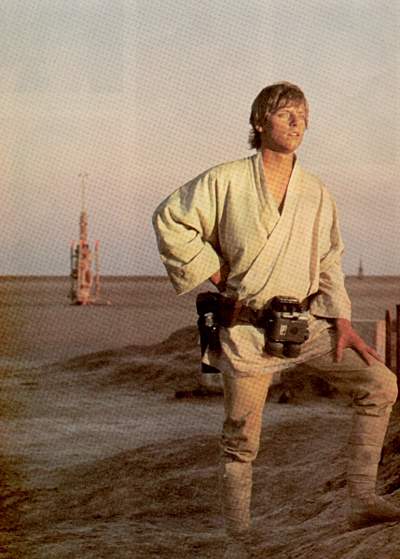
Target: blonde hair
268 101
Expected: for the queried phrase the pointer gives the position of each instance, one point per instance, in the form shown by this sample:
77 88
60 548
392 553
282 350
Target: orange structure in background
85 284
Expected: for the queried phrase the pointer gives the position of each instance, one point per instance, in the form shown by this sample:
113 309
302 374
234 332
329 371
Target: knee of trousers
240 439
378 390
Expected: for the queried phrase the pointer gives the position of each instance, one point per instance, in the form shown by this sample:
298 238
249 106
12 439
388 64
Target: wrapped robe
228 216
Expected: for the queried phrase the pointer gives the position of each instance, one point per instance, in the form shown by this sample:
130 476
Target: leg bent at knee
372 388
377 390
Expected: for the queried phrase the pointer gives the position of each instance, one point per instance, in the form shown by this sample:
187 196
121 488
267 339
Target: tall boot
365 447
236 484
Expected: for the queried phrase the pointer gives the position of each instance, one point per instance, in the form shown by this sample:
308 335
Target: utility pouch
207 305
286 327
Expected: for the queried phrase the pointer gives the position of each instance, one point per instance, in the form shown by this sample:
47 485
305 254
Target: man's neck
277 162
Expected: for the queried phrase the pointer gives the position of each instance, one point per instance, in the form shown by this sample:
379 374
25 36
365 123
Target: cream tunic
227 215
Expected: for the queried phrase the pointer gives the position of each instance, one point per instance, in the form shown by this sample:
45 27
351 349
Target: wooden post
388 340
397 339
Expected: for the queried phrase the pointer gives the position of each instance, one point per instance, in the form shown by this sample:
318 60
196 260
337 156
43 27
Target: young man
259 228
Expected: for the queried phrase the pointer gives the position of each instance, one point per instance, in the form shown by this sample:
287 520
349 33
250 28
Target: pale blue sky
145 95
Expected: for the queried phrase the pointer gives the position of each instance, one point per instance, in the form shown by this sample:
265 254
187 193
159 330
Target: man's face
284 130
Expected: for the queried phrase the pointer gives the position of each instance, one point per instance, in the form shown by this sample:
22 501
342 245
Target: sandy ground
99 458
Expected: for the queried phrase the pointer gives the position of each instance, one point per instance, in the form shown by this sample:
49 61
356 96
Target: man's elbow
155 217
158 219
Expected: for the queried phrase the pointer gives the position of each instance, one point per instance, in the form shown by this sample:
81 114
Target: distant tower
85 288
360 274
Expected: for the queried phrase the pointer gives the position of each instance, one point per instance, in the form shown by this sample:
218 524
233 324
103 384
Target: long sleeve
331 300
186 230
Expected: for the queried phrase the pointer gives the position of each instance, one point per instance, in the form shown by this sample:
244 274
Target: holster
207 305
229 311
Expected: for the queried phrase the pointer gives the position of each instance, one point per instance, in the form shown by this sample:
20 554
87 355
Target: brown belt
232 312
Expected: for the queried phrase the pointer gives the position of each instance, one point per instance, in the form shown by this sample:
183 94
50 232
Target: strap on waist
232 312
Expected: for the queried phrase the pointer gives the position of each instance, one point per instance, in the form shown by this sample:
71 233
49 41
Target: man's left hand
347 337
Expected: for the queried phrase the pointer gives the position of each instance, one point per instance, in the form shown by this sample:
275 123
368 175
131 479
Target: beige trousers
372 389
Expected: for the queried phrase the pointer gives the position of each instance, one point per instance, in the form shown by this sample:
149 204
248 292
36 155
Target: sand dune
100 459
82 478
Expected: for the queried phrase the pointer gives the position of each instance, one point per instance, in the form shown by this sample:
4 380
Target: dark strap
232 312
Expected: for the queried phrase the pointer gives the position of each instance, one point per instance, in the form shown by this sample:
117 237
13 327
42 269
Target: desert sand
100 459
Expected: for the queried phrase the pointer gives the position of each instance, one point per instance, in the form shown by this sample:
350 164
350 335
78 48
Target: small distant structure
360 273
85 284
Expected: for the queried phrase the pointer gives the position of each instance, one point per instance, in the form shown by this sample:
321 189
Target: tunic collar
270 214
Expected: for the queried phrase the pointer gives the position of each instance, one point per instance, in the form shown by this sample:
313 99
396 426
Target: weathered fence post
397 339
388 340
